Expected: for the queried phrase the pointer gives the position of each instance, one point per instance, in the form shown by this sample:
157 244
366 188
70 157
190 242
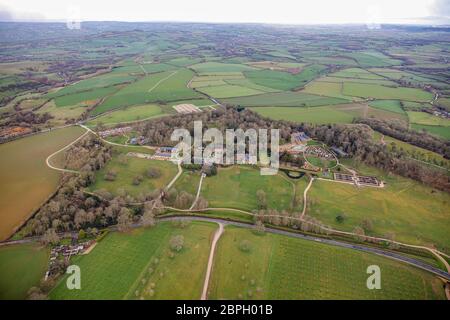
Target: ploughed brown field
25 180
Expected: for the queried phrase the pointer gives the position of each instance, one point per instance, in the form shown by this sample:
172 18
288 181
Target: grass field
158 87
306 115
414 213
439 131
382 92
188 182
236 187
26 179
126 172
217 67
427 119
129 114
280 267
228 91
284 99
413 151
21 267
85 96
388 105
123 265
283 80
106 80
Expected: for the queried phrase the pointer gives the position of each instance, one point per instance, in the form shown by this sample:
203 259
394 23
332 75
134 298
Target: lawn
21 267
281 267
306 115
127 265
126 172
188 182
26 181
130 114
412 212
236 187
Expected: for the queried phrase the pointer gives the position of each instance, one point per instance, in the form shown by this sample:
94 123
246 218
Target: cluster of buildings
141 140
441 114
358 180
115 132
66 251
319 152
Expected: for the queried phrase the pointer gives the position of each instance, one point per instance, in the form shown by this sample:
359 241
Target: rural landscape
88 176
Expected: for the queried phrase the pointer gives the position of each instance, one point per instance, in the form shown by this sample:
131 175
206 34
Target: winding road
216 238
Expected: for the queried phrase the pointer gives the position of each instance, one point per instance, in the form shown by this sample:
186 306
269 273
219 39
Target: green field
388 105
158 87
382 92
236 187
281 267
188 182
284 99
129 114
105 80
306 115
439 131
413 151
320 162
283 80
415 213
217 67
228 91
123 265
26 179
427 119
85 96
126 172
21 267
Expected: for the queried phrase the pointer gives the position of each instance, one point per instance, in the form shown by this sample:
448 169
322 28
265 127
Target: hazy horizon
319 12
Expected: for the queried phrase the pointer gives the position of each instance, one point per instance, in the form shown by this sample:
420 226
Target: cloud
5 14
441 8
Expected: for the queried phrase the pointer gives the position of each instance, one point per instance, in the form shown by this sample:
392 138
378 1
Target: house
299 138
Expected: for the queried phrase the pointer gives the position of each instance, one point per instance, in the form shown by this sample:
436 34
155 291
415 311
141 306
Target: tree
262 199
81 234
50 237
153 173
124 220
148 218
359 234
340 218
177 243
110 175
259 227
367 225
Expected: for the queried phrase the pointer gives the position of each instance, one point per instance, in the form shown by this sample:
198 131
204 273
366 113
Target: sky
262 11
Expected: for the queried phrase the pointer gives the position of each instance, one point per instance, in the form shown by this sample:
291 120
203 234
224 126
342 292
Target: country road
385 253
216 238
